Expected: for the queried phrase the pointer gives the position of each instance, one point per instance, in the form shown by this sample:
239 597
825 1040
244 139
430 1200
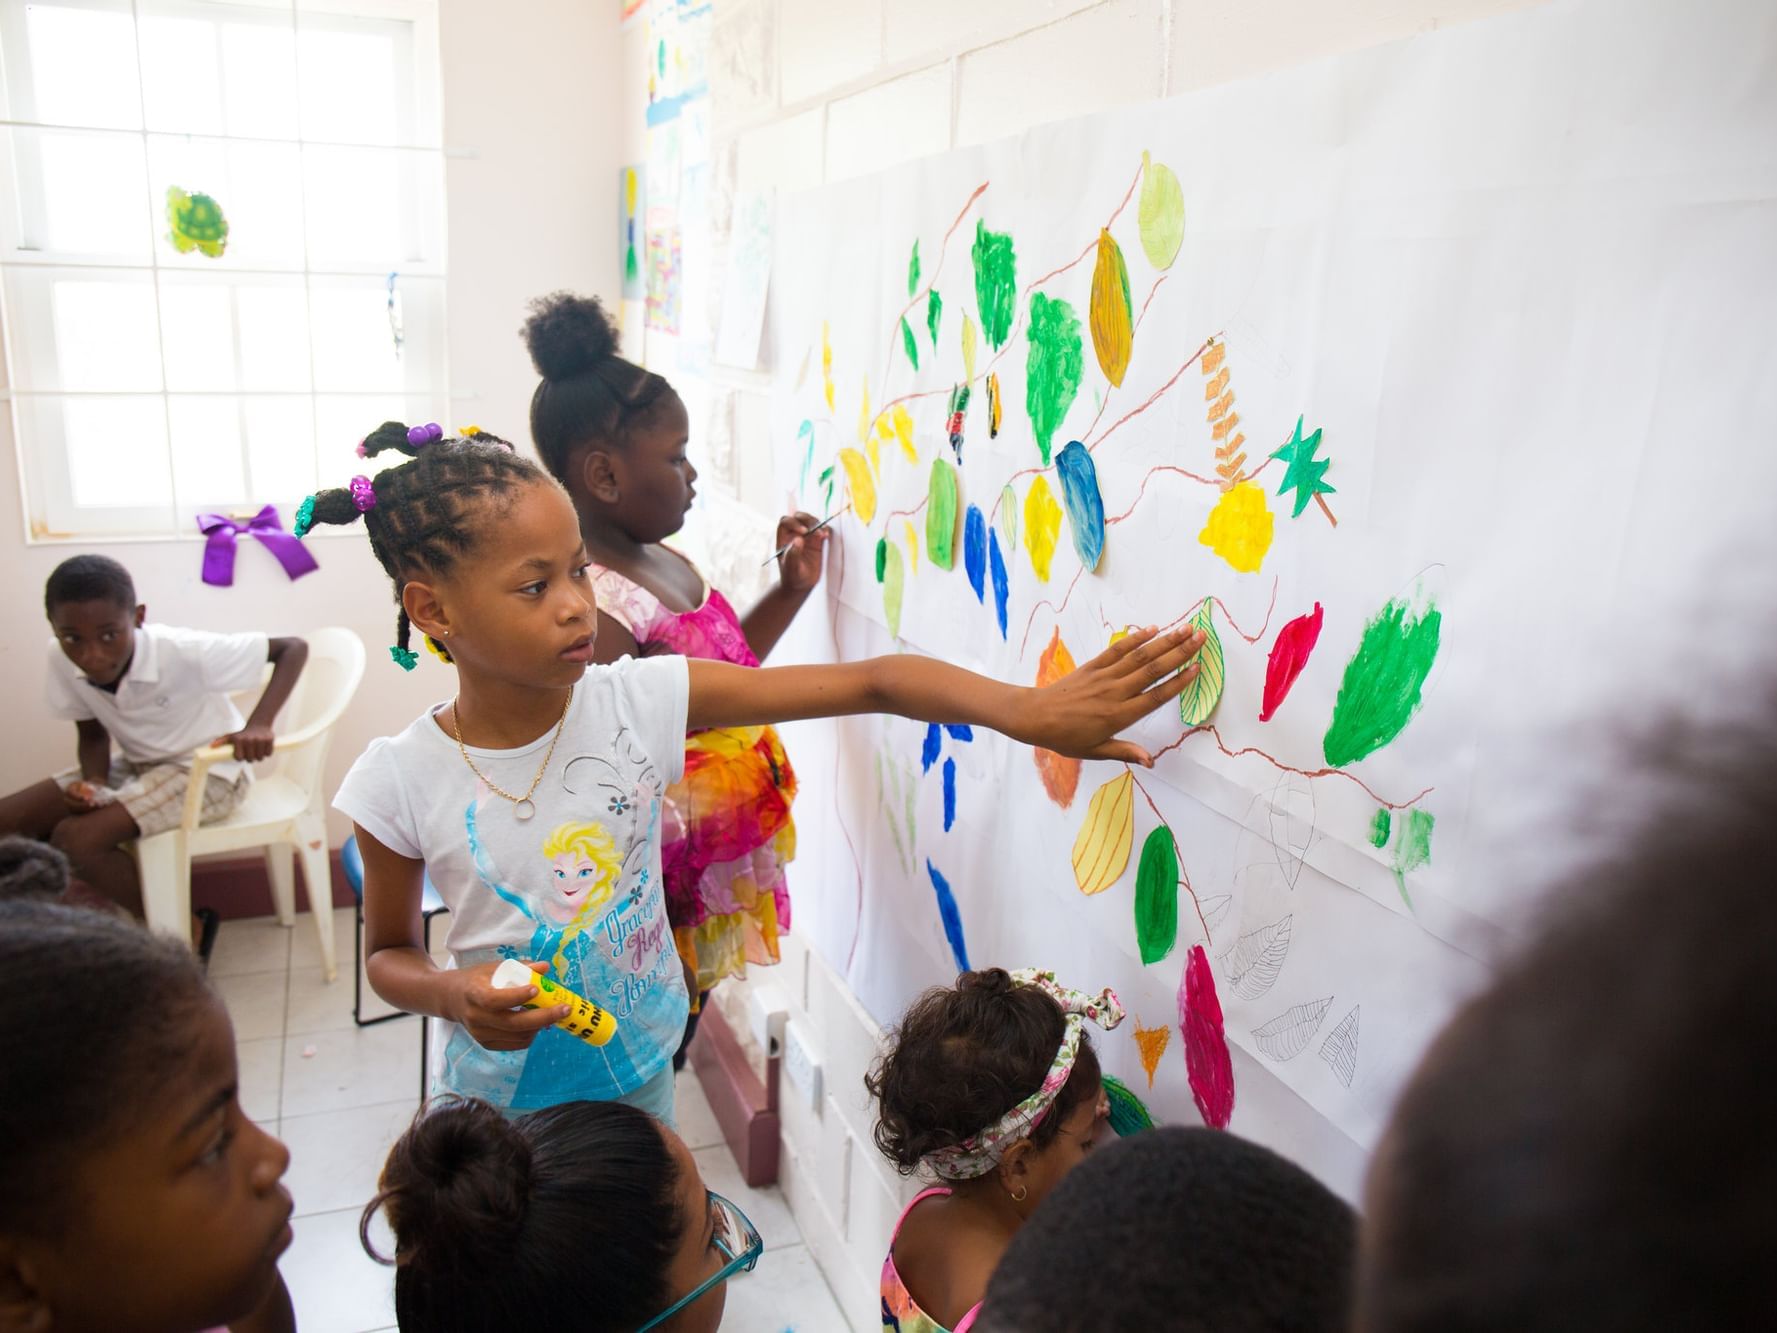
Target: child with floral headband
993 1087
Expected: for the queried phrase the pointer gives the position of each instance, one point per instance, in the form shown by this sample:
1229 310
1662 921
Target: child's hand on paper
491 1013
1080 714
252 742
799 568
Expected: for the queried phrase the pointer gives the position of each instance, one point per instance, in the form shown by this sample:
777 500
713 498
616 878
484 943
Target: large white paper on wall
1495 310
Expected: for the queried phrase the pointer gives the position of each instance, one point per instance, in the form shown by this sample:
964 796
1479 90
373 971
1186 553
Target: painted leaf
1295 641
908 344
996 568
975 550
1303 471
961 732
1287 1036
993 406
912 534
1085 506
934 315
1156 896
951 917
897 424
827 363
1008 515
894 582
1239 527
1101 848
859 484
968 348
1413 848
1160 214
1208 1066
1109 311
913 269
1201 696
805 437
1339 1050
1052 369
1380 825
1127 1114
949 793
881 556
1381 688
941 501
826 482
928 752
1042 526
1255 960
1152 1043
1061 775
996 283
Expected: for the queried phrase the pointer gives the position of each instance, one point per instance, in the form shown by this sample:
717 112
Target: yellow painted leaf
1202 695
968 347
1161 213
1101 850
1110 314
1042 526
827 363
1061 775
902 422
912 546
860 484
1239 527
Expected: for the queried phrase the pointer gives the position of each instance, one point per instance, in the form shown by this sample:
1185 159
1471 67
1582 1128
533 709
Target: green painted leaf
941 507
1156 896
1380 825
1380 690
1052 371
1203 694
913 269
934 313
1161 213
894 580
996 283
908 343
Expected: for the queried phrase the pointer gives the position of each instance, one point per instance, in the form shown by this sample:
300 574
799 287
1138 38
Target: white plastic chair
284 810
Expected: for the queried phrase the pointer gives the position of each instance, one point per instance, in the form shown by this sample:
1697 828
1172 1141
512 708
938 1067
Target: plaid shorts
155 794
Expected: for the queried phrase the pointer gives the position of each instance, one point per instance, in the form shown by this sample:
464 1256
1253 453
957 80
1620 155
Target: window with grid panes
147 386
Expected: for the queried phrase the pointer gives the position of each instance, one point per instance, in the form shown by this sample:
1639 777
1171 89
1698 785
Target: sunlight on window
83 66
281 449
273 324
347 94
94 200
181 85
354 204
259 80
207 463
197 337
354 350
105 336
117 452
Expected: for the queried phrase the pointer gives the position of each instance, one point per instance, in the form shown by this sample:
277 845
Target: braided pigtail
425 514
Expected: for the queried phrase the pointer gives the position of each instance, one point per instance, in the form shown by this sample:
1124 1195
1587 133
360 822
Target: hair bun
456 1185
991 981
568 335
32 869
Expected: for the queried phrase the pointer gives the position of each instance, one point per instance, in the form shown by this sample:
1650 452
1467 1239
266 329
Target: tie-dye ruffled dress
726 831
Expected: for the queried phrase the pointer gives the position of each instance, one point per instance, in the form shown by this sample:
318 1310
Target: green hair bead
405 658
305 517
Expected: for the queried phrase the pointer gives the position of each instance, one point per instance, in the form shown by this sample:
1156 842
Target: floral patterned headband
980 1153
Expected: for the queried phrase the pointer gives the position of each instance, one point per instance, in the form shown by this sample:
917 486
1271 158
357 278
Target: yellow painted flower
1239 527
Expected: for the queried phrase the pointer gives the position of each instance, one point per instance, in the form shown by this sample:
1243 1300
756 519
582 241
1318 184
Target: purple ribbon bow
266 526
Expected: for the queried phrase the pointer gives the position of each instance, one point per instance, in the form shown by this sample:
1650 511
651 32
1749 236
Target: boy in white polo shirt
156 692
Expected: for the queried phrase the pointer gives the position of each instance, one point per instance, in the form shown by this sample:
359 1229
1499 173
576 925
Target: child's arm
95 750
403 973
798 571
1078 715
613 641
253 742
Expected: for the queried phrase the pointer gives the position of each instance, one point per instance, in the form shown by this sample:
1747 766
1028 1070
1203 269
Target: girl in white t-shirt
533 797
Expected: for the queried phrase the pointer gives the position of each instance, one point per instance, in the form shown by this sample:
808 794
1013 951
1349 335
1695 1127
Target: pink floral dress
726 830
900 1312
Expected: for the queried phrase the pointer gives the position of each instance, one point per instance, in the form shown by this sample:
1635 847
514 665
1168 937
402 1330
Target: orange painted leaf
1061 775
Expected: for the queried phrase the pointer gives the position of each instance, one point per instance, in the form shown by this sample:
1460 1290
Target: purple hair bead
361 451
430 433
363 494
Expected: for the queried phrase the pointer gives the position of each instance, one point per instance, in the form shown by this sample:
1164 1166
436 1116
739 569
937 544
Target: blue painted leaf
975 550
805 436
952 919
960 731
949 793
997 567
929 755
1085 507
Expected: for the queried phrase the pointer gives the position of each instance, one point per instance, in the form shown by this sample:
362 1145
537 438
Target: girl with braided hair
488 563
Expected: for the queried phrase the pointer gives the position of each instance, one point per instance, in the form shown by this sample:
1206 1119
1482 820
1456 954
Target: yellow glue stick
585 1019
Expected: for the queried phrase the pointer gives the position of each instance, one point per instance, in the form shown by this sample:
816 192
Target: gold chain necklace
522 806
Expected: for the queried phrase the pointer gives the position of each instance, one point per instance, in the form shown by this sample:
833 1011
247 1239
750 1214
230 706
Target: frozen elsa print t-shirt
577 885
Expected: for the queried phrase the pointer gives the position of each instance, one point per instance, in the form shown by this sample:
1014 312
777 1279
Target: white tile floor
339 1095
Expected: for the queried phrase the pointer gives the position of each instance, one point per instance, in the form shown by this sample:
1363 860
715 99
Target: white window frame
30 379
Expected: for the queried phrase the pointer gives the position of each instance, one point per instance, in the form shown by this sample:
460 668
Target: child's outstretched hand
1081 713
799 568
491 1013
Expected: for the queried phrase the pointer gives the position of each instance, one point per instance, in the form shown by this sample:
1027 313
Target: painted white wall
813 91
531 99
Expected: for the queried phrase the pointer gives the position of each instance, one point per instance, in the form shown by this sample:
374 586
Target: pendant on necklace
524 809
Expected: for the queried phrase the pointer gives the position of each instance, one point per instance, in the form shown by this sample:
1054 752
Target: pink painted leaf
1207 1063
1295 641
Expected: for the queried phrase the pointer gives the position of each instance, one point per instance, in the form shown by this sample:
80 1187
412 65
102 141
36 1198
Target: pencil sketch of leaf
1339 1050
1215 910
1287 1036
1255 960
1292 827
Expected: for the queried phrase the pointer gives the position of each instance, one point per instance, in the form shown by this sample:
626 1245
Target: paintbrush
784 550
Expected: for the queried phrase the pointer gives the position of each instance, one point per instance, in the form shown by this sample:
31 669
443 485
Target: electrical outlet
767 1014
802 1066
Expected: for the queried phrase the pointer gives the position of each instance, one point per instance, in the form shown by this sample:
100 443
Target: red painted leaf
1207 1063
1295 641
